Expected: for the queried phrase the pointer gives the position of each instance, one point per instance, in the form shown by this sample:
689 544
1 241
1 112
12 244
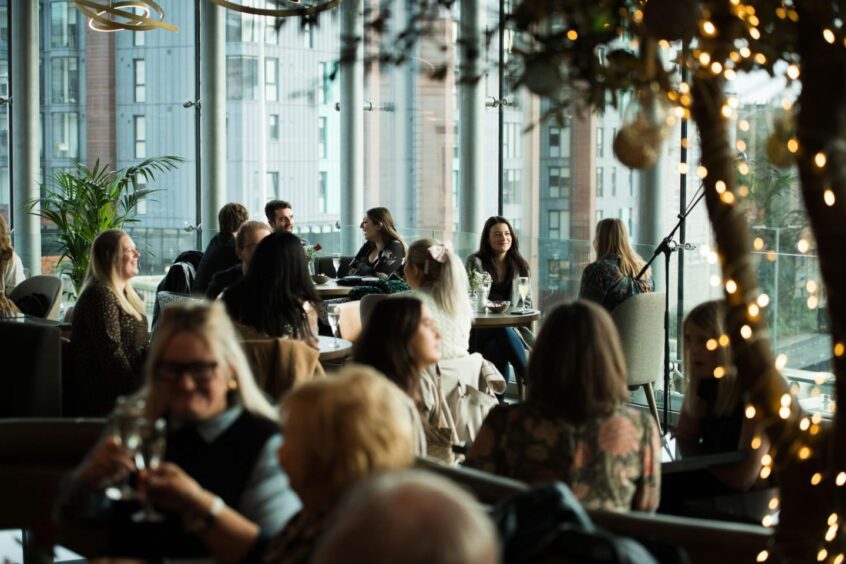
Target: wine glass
523 290
336 263
126 433
333 315
148 456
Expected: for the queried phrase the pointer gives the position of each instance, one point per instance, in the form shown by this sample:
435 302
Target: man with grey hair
249 235
412 517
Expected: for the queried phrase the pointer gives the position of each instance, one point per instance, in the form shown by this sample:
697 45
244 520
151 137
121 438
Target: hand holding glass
148 456
125 431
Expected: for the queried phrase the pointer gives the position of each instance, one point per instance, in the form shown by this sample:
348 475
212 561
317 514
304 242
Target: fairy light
765 472
724 341
767 459
572 35
773 504
758 244
804 453
701 172
767 521
793 145
741 145
828 197
839 349
745 52
750 413
793 72
743 125
684 88
711 344
731 286
831 533
719 372
763 300
832 519
816 479
816 418
760 58
714 280
803 245
743 169
771 256
716 67
730 74
709 29
839 559
813 302
682 168
814 429
822 554
704 58
753 310
820 159
743 191
811 286
804 424
781 13
727 198
720 186
828 35
784 412
726 111
786 104
756 442
781 361
712 258
762 556
746 332
755 34
840 479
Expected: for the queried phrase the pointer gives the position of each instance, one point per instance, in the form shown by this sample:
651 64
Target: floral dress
388 261
604 283
610 463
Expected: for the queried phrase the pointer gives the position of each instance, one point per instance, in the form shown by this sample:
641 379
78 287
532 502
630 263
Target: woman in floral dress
575 426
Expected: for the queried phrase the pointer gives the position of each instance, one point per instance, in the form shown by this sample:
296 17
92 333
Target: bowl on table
319 279
498 307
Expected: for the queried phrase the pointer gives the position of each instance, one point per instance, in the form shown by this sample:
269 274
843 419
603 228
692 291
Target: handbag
468 407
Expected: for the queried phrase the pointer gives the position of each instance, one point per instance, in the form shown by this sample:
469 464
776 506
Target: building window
599 180
140 72
511 140
599 215
631 182
241 77
600 142
273 183
138 38
558 224
308 35
273 127
322 141
559 182
511 186
554 142
271 82
324 86
271 32
323 192
140 184
66 135
63 28
64 80
613 180
140 128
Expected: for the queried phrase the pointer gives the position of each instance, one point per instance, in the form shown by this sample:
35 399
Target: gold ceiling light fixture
302 8
132 15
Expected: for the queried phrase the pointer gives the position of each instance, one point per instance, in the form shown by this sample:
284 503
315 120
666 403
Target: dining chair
640 322
47 290
325 266
31 378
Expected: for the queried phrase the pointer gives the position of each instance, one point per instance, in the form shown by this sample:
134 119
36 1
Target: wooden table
328 352
505 319
331 289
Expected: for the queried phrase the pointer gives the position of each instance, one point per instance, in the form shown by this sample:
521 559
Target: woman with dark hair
401 340
384 250
575 426
276 297
499 256
611 278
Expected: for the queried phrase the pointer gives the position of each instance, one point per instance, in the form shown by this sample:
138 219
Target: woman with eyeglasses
221 431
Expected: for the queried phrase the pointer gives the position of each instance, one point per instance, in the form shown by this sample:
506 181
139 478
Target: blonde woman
11 268
441 283
338 432
109 327
610 280
712 418
221 431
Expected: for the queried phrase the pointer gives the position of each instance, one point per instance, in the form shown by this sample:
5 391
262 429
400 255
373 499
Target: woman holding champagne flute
221 431
499 255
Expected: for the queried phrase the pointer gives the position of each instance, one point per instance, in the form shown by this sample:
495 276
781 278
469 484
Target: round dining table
332 348
331 289
516 318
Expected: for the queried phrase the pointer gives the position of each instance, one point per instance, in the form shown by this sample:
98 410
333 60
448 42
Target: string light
821 555
753 310
719 372
803 245
724 341
715 280
820 159
793 145
741 145
804 424
781 361
840 479
758 244
756 442
762 556
828 35
750 411
804 453
765 472
701 172
813 302
811 286
709 29
743 125
839 349
828 196
784 412
731 285
771 256
773 504
763 300
720 186
832 519
839 559
711 344
767 521
831 533
746 332
816 479
793 72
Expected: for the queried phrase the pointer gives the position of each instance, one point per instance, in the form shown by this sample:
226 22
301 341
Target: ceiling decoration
299 8
133 15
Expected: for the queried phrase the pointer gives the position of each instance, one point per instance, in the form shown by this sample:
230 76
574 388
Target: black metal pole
198 215
501 116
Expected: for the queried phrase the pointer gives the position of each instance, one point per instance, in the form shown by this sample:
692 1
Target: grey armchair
640 322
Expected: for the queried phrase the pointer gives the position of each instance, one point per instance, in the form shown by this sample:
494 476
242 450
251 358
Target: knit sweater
454 330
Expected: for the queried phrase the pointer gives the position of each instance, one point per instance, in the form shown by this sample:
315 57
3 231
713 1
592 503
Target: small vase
311 267
480 301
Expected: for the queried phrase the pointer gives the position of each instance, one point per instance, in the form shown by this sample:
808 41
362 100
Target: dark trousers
501 346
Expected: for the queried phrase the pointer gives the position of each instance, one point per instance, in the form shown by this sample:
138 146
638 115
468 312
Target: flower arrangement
311 251
478 280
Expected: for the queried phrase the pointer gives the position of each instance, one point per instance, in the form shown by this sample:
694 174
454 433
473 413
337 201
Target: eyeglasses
199 372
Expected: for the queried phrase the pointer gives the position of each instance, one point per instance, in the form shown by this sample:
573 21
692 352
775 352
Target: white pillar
352 123
471 105
213 115
25 131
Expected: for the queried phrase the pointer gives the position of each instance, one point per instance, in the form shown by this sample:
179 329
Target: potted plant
84 202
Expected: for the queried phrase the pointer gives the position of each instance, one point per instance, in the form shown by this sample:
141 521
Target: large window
140 72
64 80
271 80
65 137
241 77
63 25
140 128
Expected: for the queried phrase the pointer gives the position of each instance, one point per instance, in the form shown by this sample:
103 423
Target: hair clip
438 252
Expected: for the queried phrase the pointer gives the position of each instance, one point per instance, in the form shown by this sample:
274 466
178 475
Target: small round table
328 352
506 319
331 289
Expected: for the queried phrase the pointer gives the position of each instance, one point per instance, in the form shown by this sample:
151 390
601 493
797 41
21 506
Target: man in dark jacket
220 254
249 236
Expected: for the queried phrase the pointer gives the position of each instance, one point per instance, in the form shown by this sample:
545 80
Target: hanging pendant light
302 8
133 15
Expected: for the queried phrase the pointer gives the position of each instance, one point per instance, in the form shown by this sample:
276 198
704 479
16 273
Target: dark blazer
219 255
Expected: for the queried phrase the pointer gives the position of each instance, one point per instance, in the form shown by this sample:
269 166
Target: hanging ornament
543 76
645 126
782 145
672 20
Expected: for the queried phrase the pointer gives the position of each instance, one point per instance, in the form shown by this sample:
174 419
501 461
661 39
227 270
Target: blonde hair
6 251
612 238
209 322
103 267
354 424
710 317
446 281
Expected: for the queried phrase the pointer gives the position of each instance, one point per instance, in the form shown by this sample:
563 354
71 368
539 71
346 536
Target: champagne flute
148 456
333 315
336 263
126 433
523 290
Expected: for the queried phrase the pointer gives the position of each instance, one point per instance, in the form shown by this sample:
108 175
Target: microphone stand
666 247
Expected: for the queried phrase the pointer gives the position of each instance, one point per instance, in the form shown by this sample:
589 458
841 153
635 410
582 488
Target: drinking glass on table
126 431
336 263
333 316
148 456
523 290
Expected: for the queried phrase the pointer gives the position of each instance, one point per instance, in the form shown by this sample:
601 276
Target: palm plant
84 202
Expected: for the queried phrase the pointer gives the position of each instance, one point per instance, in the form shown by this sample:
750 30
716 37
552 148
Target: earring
233 384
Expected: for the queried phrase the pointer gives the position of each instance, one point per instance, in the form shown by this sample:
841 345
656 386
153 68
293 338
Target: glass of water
336 263
148 456
333 315
126 432
523 290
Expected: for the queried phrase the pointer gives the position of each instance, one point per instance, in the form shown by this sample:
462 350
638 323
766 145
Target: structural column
651 227
213 115
470 107
352 122
25 165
